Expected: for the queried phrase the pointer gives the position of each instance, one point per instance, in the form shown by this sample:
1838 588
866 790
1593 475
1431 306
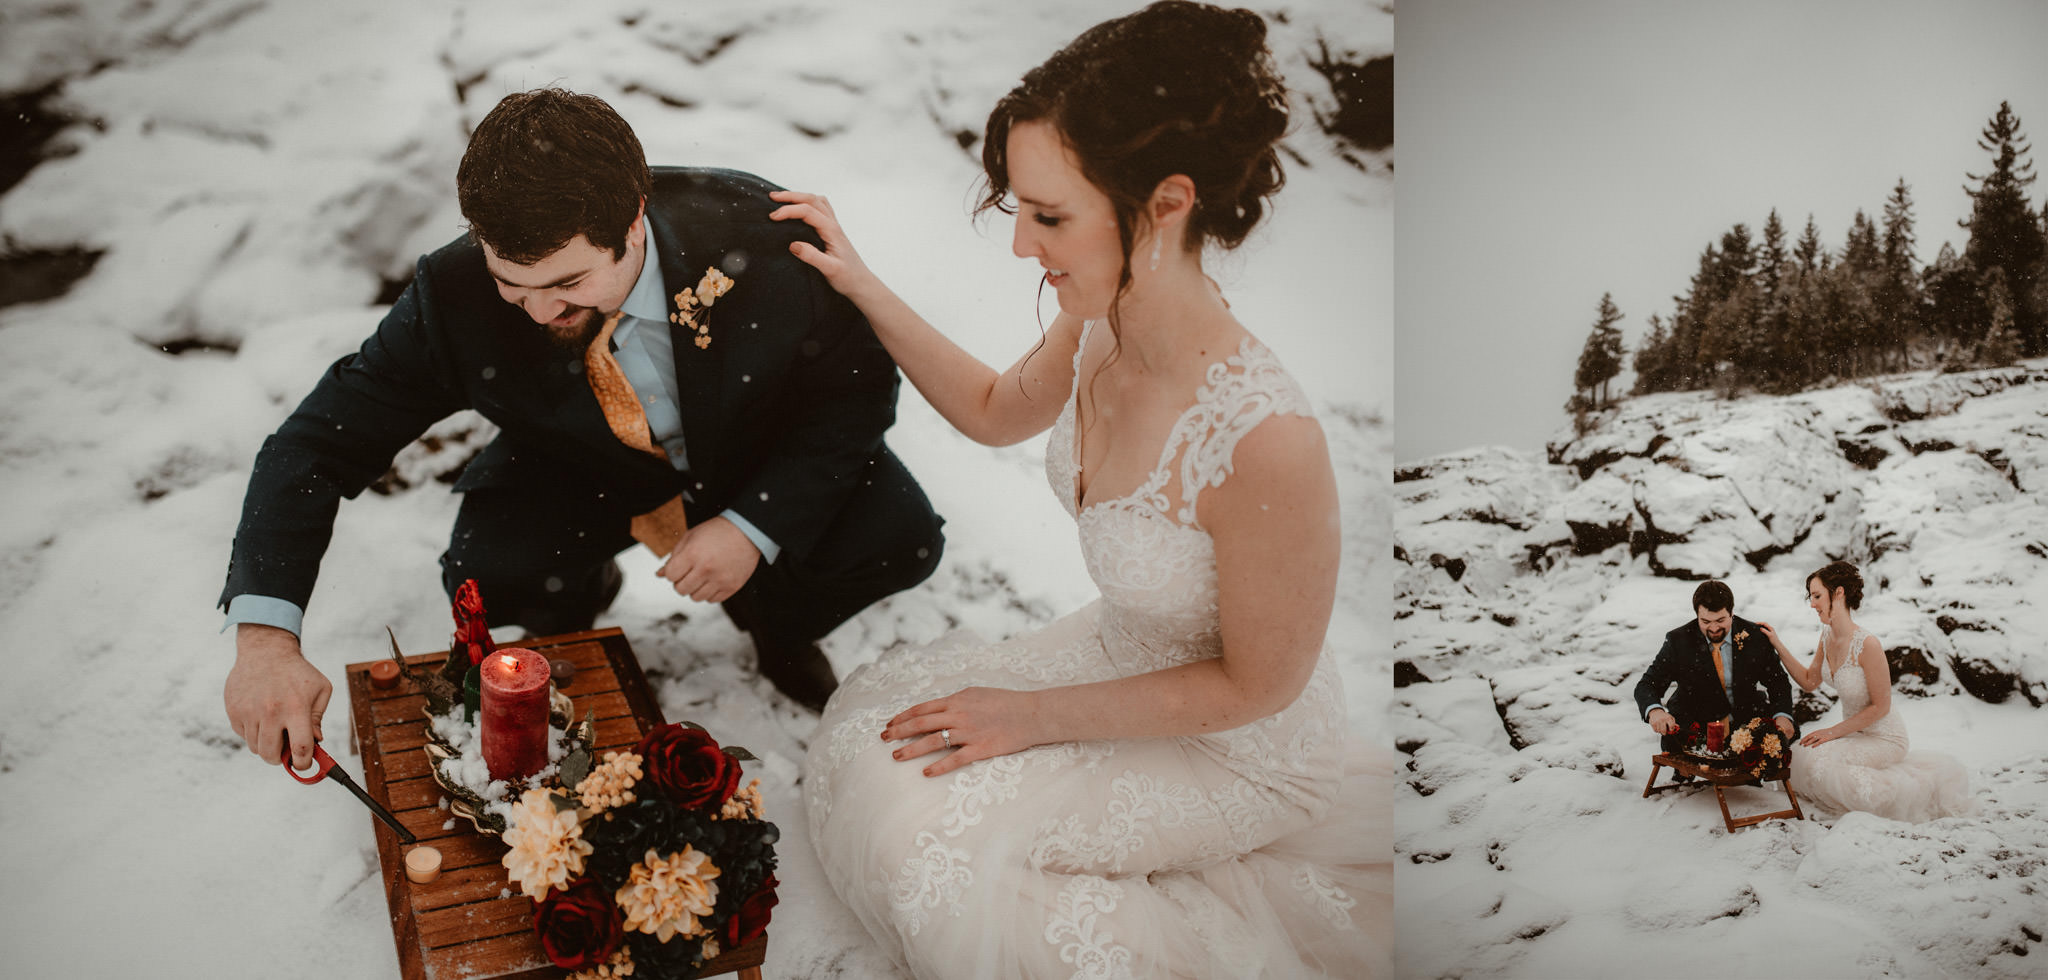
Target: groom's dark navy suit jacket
782 414
1759 689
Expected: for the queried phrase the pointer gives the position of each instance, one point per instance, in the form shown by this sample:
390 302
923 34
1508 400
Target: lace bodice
1147 550
1853 685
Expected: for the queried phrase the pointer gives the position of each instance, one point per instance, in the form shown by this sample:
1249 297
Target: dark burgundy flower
752 918
579 927
472 632
686 766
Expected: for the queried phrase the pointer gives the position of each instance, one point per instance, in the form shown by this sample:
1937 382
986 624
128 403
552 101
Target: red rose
579 927
752 918
687 767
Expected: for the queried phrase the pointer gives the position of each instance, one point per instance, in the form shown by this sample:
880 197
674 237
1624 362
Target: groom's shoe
799 670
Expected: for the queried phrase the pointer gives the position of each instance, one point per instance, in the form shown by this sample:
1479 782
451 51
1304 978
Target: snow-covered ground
1531 594
256 171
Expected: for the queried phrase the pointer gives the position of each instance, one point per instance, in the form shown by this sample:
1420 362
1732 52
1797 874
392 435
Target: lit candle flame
511 662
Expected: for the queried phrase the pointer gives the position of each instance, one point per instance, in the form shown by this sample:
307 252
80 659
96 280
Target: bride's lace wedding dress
1262 851
1871 770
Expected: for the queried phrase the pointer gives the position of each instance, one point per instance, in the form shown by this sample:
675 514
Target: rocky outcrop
1533 573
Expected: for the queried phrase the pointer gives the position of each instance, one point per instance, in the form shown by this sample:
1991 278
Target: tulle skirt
1877 775
1156 857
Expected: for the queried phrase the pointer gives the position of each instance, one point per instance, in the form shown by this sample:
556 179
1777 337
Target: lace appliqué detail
1076 927
1330 900
979 784
1232 404
935 874
1141 802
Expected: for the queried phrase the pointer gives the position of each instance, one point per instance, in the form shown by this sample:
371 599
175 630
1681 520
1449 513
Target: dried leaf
575 766
741 754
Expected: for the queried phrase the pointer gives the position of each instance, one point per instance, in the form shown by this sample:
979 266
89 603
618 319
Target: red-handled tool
323 767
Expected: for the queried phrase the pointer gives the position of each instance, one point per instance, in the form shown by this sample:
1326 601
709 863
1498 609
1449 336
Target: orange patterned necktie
660 528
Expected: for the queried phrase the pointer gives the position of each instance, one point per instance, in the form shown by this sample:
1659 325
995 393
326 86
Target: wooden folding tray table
470 922
1719 777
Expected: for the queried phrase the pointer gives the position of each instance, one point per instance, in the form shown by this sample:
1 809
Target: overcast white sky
1553 151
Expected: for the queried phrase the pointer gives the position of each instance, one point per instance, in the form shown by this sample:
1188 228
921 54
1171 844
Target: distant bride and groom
1162 783
1721 667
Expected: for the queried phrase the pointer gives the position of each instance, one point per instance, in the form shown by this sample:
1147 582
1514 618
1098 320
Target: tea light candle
423 864
513 710
383 675
563 671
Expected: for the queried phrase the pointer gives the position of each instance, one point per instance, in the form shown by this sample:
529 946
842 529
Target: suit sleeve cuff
769 549
265 611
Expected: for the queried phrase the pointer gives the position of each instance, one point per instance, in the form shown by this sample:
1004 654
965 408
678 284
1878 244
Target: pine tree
1771 262
1600 359
1898 293
2003 232
1954 307
1652 358
1808 251
2001 343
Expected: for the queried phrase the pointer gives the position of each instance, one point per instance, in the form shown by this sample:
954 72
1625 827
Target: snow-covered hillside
1533 593
259 174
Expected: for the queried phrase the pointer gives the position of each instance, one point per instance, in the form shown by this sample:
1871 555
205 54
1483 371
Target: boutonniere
693 306
1739 637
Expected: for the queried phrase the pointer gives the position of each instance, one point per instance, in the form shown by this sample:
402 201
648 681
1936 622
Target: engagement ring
946 736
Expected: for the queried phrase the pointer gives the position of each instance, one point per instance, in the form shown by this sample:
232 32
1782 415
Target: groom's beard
574 338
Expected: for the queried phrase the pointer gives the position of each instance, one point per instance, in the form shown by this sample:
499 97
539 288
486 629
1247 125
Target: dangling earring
1156 240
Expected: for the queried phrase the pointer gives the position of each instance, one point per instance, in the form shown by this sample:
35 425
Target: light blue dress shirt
644 346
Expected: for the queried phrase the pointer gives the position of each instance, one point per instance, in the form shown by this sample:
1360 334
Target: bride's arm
1274 523
1877 672
992 409
1807 676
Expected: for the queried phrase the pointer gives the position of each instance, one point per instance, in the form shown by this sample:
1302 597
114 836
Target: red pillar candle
514 712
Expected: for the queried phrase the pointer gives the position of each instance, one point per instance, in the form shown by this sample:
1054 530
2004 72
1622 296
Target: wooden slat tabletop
470 922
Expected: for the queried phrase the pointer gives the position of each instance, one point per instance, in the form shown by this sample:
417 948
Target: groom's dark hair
1713 597
546 166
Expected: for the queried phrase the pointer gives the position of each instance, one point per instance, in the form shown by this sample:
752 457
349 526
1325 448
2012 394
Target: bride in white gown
1863 762
1163 783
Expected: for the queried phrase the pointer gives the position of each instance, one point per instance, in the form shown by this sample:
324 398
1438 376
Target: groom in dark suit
1724 668
659 367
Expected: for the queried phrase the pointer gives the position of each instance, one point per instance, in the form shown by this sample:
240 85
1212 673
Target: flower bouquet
646 863
655 862
1755 747
1760 750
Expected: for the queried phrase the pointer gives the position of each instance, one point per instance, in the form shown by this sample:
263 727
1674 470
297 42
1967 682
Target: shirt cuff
265 611
1646 711
769 549
1784 716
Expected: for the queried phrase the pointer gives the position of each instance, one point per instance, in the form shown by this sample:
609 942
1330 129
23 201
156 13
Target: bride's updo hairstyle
1844 576
1175 88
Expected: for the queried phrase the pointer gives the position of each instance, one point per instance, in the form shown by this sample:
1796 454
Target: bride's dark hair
1175 88
1844 576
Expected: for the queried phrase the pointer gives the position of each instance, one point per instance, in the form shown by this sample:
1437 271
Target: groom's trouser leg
885 539
541 553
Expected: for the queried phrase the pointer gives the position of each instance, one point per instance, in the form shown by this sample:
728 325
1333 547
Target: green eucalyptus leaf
692 724
741 754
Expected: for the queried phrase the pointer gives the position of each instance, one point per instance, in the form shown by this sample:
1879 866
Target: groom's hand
1661 721
1785 725
274 696
711 561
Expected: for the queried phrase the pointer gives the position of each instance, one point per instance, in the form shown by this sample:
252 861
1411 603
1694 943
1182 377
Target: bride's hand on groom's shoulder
974 724
838 262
